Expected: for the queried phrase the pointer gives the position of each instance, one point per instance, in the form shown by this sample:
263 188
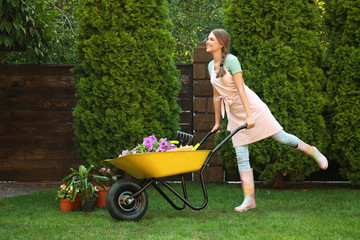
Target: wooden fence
36 133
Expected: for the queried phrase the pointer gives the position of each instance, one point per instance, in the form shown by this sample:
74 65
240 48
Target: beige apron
265 123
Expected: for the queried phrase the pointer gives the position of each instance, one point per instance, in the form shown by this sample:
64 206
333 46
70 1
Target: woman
242 106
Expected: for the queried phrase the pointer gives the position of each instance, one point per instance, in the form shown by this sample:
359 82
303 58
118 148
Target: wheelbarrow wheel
120 203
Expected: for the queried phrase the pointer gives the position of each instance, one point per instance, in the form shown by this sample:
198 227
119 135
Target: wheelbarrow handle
228 137
222 143
204 139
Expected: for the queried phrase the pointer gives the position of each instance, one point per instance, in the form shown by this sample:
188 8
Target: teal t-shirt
231 63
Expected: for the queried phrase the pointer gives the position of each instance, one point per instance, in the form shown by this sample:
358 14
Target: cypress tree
127 82
343 55
279 47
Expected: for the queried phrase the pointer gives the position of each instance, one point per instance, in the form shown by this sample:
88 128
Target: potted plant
102 192
65 195
84 181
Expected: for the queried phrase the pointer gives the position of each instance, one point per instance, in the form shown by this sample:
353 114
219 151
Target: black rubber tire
120 210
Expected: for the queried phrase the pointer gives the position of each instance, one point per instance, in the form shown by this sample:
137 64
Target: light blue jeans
242 152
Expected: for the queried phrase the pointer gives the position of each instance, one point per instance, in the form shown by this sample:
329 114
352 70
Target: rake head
184 138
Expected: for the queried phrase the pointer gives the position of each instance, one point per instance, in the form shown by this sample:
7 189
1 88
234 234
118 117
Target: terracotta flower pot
77 202
101 199
65 205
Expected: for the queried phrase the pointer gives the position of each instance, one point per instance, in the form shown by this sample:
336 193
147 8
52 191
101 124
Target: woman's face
212 44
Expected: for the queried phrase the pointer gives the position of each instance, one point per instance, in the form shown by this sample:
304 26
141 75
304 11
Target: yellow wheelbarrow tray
161 164
127 199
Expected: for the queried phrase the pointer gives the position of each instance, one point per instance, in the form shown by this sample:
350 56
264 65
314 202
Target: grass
280 214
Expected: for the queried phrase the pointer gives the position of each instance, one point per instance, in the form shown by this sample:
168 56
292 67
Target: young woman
242 106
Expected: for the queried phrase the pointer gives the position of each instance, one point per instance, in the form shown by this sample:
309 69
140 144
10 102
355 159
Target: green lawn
286 214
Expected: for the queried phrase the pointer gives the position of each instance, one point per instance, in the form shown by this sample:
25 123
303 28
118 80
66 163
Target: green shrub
127 81
343 37
279 47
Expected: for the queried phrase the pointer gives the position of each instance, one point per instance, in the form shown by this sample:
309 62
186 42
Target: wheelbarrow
127 199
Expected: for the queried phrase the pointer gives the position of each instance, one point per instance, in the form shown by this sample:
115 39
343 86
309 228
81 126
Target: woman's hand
250 122
216 129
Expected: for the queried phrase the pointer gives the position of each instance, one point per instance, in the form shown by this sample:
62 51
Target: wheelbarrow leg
167 198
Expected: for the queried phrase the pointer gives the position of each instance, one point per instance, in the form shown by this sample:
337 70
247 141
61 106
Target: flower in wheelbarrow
163 144
152 138
123 153
150 144
159 149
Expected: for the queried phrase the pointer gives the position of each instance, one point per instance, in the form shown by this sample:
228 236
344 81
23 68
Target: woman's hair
223 37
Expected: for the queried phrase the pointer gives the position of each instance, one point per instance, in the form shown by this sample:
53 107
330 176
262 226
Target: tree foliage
25 25
127 81
62 49
278 44
45 29
343 38
193 20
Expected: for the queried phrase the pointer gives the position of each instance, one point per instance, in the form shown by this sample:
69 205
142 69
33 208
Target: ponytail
221 72
223 38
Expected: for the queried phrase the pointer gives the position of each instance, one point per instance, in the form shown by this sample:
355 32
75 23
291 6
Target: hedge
343 58
127 82
279 47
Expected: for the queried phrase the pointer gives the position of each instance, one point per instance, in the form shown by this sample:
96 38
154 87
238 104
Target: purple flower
153 138
149 141
164 144
160 150
146 141
150 144
123 153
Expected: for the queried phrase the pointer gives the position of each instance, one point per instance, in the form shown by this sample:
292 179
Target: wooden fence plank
19 104
36 129
39 116
36 81
37 93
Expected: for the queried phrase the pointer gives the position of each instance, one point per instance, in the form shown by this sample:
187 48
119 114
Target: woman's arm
239 82
217 110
